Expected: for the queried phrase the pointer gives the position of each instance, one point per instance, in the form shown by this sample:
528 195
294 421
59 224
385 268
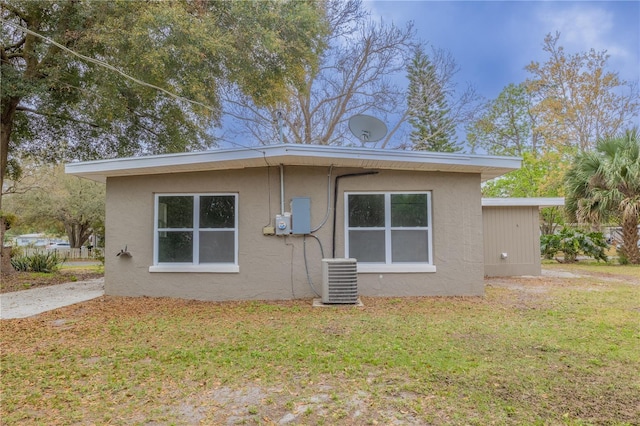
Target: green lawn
533 351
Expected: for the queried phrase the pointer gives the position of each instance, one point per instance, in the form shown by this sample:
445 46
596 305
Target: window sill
400 268
211 268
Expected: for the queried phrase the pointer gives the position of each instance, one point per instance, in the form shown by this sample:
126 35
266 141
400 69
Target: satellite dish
367 128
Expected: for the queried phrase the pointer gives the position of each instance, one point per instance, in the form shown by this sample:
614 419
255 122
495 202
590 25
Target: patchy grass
17 281
533 351
595 268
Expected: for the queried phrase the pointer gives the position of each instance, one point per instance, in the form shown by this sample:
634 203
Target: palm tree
604 184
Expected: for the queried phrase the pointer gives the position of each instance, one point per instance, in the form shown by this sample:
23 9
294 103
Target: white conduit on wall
281 189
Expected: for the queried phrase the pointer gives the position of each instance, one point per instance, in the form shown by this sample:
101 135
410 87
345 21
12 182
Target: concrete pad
317 303
27 303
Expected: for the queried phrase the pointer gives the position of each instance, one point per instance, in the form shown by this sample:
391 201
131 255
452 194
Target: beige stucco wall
273 267
515 231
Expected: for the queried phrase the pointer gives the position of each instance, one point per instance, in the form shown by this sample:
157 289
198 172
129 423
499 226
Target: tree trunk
9 106
549 218
630 239
5 259
78 233
7 268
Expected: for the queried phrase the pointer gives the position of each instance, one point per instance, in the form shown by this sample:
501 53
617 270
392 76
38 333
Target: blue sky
492 41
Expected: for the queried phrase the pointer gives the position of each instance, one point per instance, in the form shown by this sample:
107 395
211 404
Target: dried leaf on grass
531 351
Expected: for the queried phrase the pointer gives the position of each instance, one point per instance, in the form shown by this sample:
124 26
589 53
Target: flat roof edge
278 154
523 202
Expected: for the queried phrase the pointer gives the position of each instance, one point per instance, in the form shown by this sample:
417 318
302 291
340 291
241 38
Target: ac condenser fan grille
339 281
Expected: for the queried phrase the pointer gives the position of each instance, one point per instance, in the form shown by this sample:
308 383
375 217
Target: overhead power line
106 65
122 73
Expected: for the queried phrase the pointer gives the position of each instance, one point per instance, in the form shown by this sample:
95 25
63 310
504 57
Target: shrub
549 245
38 262
20 263
572 243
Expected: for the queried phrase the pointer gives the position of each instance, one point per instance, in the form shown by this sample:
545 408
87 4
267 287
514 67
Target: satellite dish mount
367 128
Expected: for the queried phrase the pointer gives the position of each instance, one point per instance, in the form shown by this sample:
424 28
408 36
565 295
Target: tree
353 78
53 99
568 103
577 99
539 176
61 203
605 184
97 79
506 125
428 109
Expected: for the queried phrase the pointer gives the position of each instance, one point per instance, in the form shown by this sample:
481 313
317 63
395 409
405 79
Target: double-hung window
390 231
196 233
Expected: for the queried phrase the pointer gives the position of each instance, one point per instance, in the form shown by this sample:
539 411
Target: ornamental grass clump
38 262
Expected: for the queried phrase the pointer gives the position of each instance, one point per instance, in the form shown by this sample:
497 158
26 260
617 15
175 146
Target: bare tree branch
353 78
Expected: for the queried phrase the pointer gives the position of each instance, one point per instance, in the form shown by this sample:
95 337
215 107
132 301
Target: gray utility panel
301 215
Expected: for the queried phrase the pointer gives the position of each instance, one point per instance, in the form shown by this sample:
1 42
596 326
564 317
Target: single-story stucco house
512 234
255 223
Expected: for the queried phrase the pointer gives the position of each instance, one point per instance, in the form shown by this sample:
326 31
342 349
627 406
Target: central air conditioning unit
339 281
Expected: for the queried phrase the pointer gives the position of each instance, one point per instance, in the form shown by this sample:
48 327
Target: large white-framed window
389 231
195 233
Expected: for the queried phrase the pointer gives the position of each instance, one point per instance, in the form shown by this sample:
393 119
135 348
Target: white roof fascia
523 202
295 154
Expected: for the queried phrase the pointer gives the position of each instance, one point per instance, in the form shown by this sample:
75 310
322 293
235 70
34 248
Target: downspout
335 204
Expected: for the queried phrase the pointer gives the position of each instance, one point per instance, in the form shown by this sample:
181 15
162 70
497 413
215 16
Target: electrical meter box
283 224
301 215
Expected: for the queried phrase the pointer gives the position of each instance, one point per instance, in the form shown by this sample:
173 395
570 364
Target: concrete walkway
26 303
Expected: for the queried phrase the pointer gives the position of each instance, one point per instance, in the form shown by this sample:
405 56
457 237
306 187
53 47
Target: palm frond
605 183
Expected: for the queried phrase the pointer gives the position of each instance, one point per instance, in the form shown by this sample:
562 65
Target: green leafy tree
507 124
97 79
62 204
604 184
427 108
57 104
539 176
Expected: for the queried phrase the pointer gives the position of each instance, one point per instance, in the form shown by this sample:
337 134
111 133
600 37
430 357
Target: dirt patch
18 281
629 279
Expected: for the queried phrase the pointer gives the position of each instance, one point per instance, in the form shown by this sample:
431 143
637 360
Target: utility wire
105 65
122 73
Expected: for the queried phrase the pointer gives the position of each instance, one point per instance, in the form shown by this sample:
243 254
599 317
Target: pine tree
428 110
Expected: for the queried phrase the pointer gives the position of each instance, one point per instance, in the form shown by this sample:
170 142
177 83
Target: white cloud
582 27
